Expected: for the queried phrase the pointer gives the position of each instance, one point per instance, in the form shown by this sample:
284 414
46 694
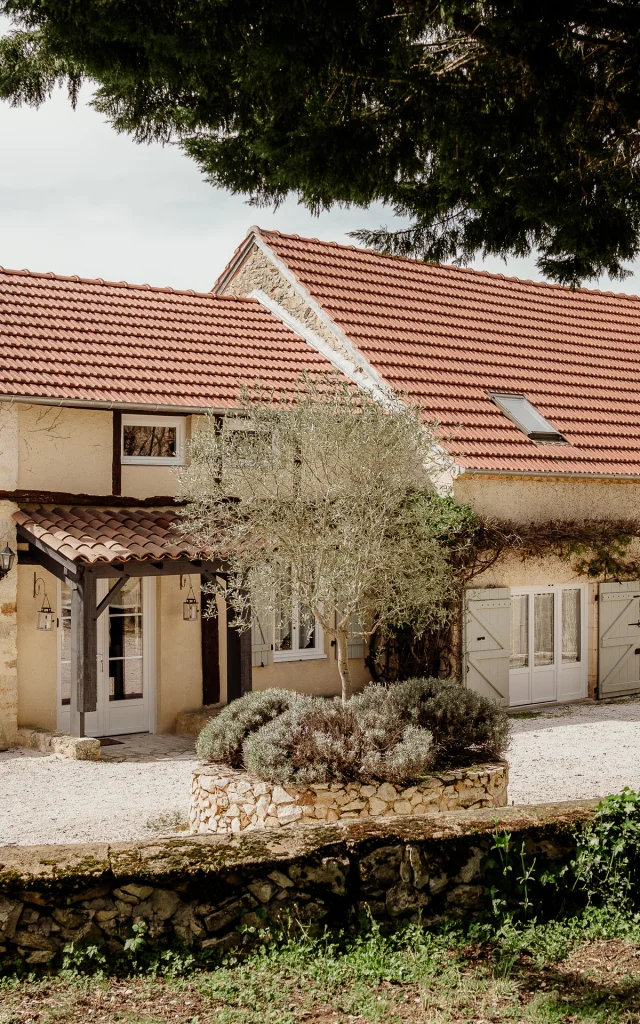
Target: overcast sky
76 198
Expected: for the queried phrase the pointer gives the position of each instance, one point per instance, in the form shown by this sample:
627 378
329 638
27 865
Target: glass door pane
519 631
570 626
65 643
125 642
543 631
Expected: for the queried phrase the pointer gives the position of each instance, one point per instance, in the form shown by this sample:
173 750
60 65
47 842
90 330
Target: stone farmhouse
102 385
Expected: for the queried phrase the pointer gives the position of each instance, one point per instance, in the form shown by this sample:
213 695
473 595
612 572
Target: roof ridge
449 266
75 279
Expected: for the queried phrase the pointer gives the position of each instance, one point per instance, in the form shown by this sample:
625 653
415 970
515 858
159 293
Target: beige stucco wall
318 677
37 654
149 481
8 585
179 658
65 449
533 499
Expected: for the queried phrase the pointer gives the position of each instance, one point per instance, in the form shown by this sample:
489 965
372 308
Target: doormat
106 741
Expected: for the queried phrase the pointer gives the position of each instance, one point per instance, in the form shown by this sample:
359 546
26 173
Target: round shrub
222 738
325 740
464 724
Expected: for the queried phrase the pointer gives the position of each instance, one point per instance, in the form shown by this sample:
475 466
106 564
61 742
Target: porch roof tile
107 535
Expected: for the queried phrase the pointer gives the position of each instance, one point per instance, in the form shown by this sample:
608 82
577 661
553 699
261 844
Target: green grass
411 976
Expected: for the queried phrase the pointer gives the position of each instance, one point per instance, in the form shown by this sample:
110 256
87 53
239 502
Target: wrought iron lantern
7 558
190 607
44 618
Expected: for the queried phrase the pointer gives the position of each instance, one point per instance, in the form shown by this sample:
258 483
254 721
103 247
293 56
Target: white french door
548 659
126 664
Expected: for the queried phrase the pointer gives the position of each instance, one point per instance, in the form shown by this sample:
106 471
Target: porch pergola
84 544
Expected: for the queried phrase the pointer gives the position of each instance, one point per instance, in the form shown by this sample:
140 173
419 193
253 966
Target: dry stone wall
224 800
216 893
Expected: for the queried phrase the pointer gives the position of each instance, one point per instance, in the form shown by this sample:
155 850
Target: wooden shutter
487 642
261 637
619 629
355 646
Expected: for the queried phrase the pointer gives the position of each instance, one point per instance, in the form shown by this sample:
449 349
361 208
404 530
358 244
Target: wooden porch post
84 651
210 653
239 669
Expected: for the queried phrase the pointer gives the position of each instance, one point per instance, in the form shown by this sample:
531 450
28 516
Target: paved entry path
140 788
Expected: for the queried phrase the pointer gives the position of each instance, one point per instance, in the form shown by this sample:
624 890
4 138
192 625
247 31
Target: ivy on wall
598 549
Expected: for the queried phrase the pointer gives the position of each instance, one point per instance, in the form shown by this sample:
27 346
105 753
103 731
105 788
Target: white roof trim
380 391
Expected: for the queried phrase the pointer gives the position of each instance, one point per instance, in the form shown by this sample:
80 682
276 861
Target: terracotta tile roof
69 338
107 535
447 336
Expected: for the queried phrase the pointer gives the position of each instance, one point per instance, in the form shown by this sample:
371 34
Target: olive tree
323 502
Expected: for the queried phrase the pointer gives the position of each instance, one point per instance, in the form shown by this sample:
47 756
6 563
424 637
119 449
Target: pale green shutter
487 642
355 646
261 638
619 629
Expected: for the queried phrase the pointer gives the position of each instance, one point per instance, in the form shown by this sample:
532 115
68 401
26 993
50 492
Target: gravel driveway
575 753
141 788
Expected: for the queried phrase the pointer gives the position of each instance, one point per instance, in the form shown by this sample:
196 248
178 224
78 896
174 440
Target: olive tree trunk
343 664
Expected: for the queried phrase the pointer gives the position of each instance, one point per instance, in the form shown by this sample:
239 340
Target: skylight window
524 415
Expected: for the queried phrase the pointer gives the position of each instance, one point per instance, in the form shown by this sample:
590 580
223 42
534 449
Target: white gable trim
353 354
376 388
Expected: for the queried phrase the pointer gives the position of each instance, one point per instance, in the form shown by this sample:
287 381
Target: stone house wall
215 893
224 800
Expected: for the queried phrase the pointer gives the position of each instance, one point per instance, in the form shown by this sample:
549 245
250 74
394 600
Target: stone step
190 723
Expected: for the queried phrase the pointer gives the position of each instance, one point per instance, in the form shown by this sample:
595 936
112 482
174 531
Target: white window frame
307 654
582 665
135 420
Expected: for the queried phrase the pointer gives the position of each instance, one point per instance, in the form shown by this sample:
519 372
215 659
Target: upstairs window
520 410
153 440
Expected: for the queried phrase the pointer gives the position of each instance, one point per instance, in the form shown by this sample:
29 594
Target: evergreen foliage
493 127
223 736
320 740
394 735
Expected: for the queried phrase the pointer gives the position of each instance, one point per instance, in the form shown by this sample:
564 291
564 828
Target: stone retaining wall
225 800
215 893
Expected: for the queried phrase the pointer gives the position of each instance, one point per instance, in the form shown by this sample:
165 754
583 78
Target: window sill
298 656
144 460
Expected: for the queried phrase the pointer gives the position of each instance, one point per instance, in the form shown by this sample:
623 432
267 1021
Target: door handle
481 638
634 623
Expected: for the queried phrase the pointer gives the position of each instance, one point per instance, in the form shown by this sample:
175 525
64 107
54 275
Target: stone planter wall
225 800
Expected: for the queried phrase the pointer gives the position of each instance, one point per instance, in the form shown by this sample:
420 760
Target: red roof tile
107 535
446 336
69 338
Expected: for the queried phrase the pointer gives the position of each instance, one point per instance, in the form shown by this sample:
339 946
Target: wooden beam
35 557
168 567
84 653
106 601
24 496
210 643
116 455
239 669
55 556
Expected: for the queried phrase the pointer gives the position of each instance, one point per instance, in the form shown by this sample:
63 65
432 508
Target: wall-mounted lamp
44 618
7 558
190 605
